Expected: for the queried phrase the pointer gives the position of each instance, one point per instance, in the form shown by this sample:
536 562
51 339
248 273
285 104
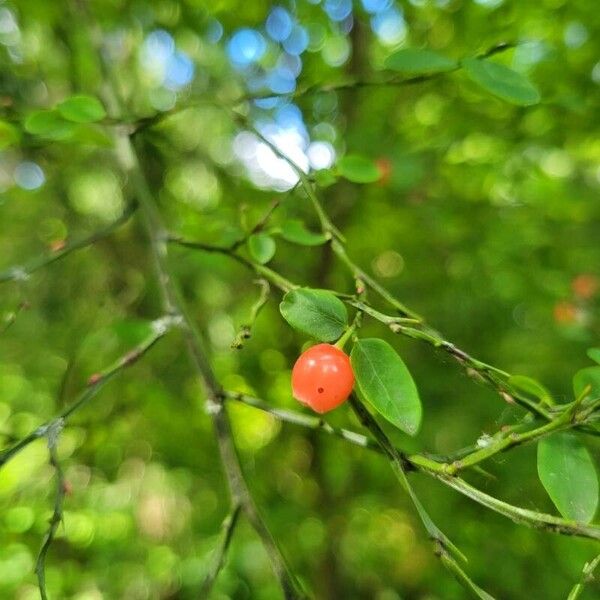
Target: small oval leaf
49 124
590 376
501 81
82 109
315 312
358 169
568 474
532 387
262 247
295 231
386 383
414 60
594 354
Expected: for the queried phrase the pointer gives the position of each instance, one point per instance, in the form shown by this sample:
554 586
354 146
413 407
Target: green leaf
532 387
501 81
414 60
568 474
324 177
386 383
594 354
49 124
92 135
590 376
262 247
82 109
358 169
9 135
315 312
296 232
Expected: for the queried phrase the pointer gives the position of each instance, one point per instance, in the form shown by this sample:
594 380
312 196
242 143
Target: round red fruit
322 378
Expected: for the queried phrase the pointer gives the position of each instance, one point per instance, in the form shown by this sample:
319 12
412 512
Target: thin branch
568 419
354 84
172 303
445 550
220 552
307 421
22 272
264 220
52 435
280 282
519 515
461 576
398 463
587 576
160 327
245 331
496 378
359 273
426 464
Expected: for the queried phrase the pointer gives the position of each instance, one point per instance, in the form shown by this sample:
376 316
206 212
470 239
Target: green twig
427 465
52 434
519 515
245 331
218 561
446 551
586 577
22 272
460 575
96 382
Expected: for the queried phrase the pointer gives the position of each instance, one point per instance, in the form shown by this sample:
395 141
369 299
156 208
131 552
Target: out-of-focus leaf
262 247
594 354
590 376
9 135
386 383
358 169
501 81
82 109
325 177
569 476
414 60
295 231
318 313
49 124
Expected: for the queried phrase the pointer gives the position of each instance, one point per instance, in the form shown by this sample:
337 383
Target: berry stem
345 336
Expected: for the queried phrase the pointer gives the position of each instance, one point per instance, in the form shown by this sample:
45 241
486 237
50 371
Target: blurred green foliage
485 220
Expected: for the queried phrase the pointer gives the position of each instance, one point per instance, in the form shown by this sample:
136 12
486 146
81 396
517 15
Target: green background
486 224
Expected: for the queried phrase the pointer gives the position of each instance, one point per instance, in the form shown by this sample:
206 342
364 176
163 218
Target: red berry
322 378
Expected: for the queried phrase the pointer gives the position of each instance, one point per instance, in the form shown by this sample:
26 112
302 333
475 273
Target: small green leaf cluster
61 122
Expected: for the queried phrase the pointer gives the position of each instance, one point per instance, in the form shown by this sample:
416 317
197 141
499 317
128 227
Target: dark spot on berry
320 390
